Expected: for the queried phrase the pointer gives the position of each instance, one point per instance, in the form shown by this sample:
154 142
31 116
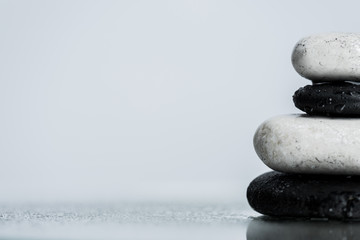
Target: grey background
154 100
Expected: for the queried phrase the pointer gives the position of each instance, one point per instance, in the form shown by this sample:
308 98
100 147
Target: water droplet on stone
354 94
320 104
308 109
339 108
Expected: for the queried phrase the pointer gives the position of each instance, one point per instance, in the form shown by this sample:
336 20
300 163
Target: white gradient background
146 100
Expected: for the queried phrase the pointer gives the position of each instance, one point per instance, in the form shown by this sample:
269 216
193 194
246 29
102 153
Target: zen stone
328 57
329 99
305 196
309 144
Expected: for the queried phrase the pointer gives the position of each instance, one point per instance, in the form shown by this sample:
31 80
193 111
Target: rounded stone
300 143
328 57
329 99
305 196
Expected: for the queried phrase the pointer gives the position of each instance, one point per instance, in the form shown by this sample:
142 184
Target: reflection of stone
274 229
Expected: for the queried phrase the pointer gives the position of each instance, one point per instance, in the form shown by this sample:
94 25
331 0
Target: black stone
329 99
305 196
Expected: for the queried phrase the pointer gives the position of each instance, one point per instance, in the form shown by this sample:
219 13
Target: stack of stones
316 156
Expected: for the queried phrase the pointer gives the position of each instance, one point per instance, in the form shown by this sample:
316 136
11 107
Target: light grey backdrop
146 100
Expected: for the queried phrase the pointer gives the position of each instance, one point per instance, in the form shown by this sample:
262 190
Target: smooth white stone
328 57
307 144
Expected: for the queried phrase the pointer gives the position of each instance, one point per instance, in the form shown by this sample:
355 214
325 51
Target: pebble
306 144
340 99
328 57
305 196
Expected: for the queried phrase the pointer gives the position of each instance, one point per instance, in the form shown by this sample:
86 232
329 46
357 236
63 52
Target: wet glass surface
160 221
124 221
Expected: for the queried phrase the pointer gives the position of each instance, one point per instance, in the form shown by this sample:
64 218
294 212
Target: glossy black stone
329 99
305 196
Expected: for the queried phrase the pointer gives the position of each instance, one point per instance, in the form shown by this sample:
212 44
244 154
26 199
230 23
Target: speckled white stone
328 57
307 144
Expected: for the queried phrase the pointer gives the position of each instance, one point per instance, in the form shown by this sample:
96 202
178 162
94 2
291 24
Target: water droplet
318 90
308 109
339 108
320 104
354 94
329 100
